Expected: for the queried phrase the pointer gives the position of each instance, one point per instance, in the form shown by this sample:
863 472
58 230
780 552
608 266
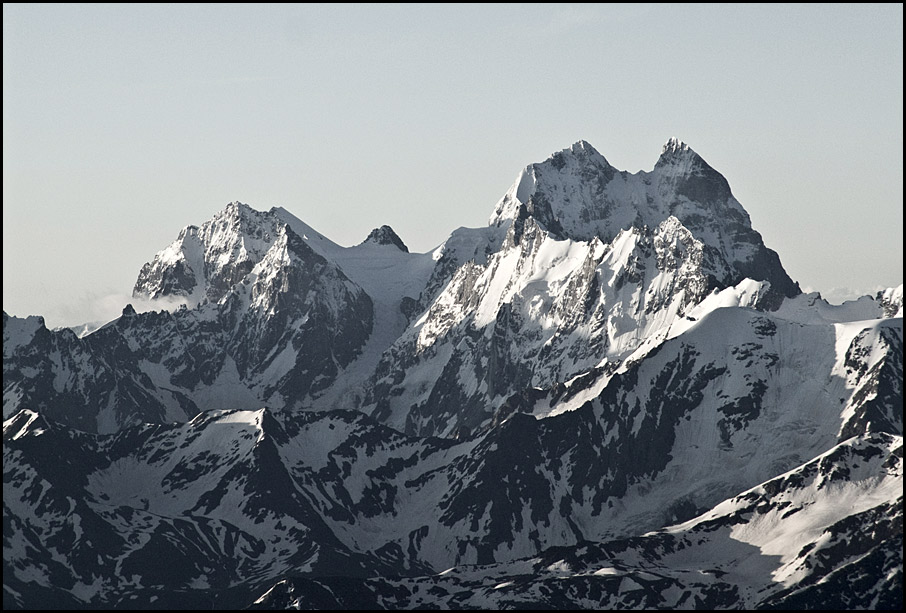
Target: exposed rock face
386 236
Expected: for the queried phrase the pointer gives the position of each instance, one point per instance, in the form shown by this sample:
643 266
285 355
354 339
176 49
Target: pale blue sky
122 124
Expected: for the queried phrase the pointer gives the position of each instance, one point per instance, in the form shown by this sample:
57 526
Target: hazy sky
122 124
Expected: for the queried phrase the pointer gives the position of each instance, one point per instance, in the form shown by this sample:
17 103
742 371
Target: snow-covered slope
825 535
590 265
193 508
539 311
243 498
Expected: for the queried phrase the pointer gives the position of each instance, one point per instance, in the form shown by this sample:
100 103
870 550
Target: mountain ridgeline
611 396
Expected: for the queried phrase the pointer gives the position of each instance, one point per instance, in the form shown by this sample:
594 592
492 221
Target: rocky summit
611 396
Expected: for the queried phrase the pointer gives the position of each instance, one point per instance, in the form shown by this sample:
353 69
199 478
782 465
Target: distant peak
577 156
582 146
238 210
582 151
681 157
675 145
386 236
567 167
242 217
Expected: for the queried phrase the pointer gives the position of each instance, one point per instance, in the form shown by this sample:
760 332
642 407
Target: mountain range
611 396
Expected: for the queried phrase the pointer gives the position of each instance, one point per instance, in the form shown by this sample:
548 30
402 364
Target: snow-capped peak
583 149
206 261
679 160
673 145
557 176
576 157
576 194
386 236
